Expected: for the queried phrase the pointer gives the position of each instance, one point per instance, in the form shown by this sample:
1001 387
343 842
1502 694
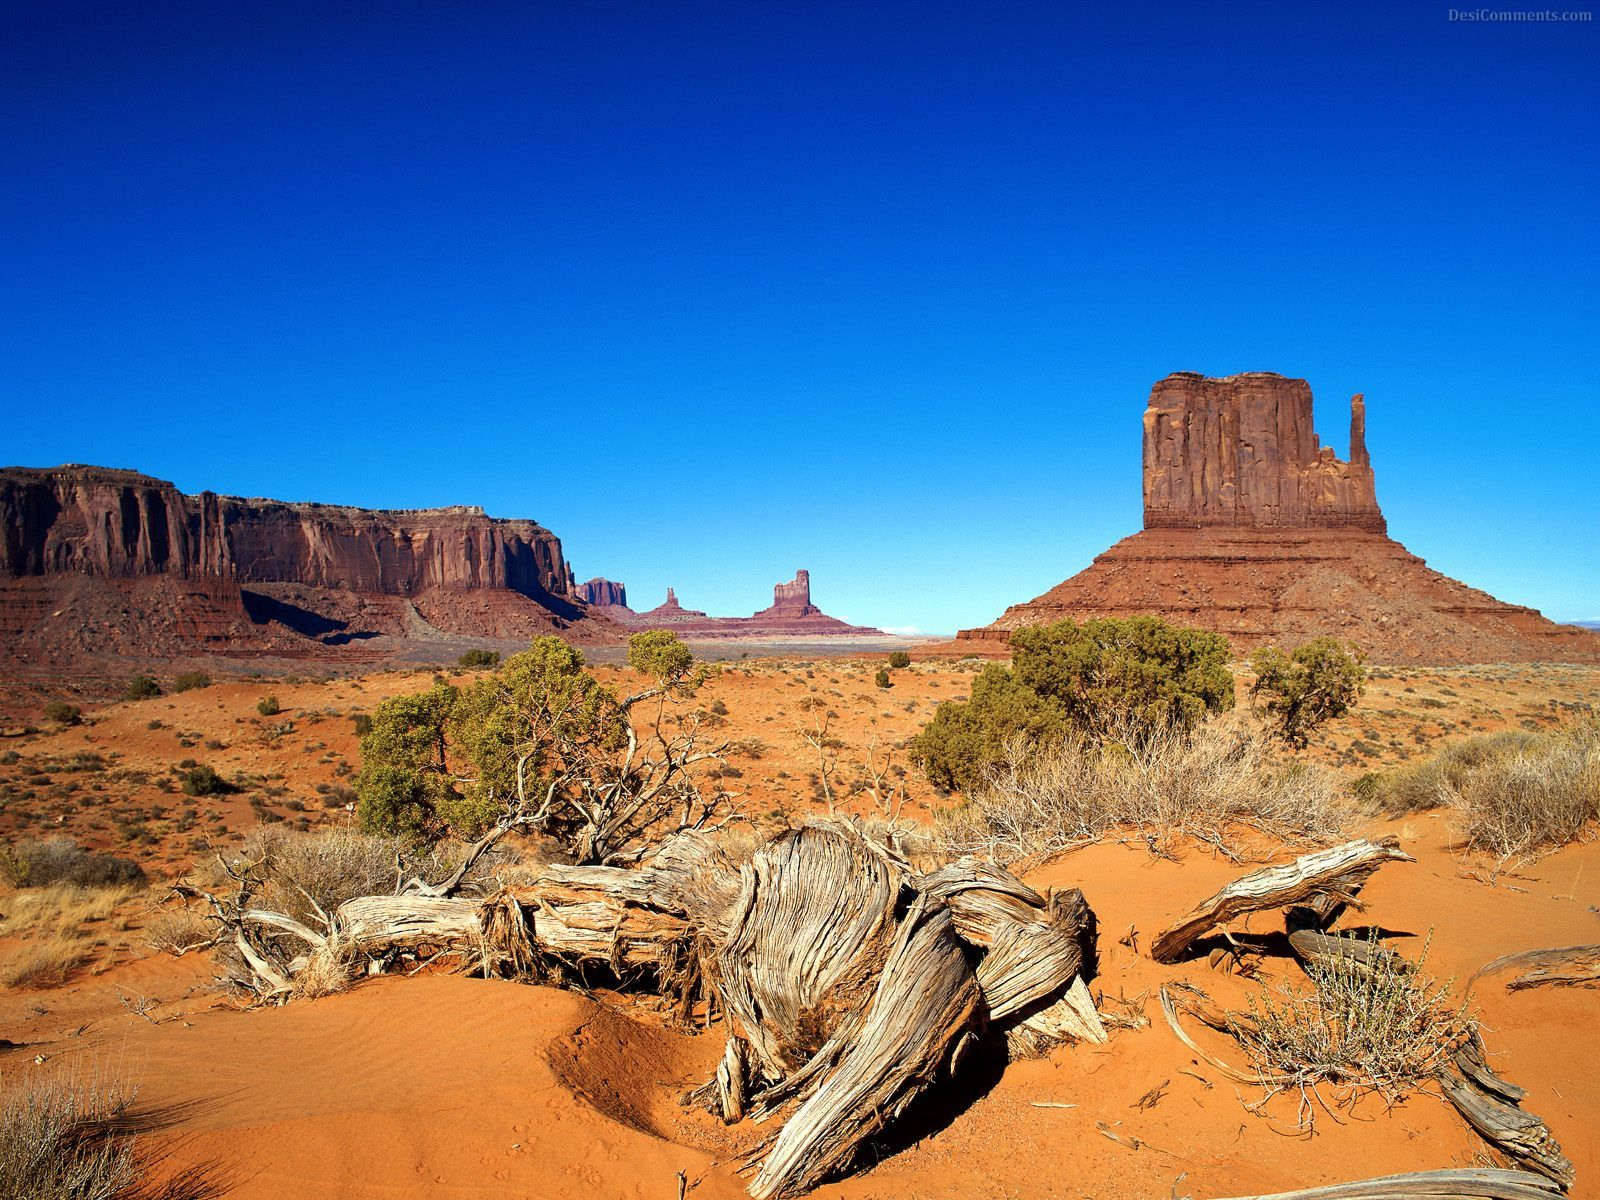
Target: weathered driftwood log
926 1002
1499 1120
1339 871
849 983
1310 946
1562 966
1454 1183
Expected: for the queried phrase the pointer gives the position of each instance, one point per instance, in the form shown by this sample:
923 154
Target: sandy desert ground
442 1086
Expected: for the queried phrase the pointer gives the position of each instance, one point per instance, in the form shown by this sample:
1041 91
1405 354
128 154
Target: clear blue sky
716 291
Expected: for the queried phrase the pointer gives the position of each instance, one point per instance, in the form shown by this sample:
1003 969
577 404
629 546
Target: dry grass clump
1365 1026
1544 795
60 923
45 964
1435 781
64 1140
1201 785
1517 792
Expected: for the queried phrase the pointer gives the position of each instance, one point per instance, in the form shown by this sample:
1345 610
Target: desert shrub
268 706
1038 801
62 860
1138 677
176 930
302 872
1299 692
542 737
899 659
203 780
361 723
404 778
190 680
718 708
882 678
64 1139
1383 1027
479 658
141 687
1437 780
44 963
1543 795
63 713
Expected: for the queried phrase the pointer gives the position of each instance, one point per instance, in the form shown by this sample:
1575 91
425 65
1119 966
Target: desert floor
441 1086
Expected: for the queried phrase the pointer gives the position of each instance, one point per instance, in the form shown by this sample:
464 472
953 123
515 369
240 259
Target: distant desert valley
373 855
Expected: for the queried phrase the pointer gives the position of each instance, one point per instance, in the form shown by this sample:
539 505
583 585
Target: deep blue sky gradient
715 291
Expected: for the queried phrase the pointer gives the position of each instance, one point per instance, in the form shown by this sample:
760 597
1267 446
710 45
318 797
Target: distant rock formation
1254 530
792 599
603 593
84 551
792 616
668 612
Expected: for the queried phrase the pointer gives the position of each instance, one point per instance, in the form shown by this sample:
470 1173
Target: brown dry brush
64 1139
1202 784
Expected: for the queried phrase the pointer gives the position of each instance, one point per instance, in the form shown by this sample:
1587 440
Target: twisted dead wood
926 1000
1339 871
849 984
1562 966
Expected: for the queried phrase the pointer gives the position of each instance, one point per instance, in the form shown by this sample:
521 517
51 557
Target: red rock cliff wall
1242 451
94 521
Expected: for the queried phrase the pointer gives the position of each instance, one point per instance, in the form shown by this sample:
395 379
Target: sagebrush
1202 784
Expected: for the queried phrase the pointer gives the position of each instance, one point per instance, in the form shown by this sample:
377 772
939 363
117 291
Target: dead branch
1339 871
1562 966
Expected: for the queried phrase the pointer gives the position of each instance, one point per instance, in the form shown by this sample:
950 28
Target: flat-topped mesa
793 599
119 524
1242 451
603 593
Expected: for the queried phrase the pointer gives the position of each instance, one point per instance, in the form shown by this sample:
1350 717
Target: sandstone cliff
1242 451
100 522
102 563
1254 530
603 593
792 599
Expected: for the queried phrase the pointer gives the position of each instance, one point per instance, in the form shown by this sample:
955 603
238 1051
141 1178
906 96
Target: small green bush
190 680
899 660
1124 679
1299 692
479 658
203 780
63 713
361 723
141 687
268 706
882 678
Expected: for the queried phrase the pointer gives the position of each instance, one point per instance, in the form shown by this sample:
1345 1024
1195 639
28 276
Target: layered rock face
603 593
1255 531
793 599
99 522
102 562
1242 452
